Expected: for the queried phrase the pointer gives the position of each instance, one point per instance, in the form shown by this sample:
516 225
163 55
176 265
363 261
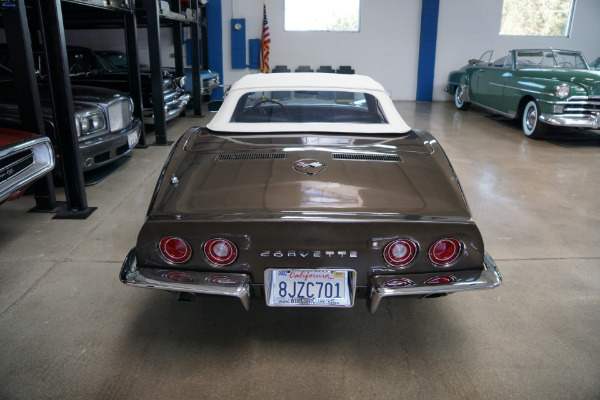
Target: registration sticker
132 139
310 287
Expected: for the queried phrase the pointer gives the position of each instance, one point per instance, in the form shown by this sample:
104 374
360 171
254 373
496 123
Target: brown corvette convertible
309 190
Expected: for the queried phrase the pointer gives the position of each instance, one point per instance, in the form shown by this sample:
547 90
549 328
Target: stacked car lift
20 17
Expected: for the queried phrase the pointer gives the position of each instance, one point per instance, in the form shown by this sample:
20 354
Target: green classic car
540 87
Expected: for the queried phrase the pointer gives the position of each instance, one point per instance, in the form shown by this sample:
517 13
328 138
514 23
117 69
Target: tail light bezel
447 261
404 262
216 260
440 280
397 283
169 256
179 276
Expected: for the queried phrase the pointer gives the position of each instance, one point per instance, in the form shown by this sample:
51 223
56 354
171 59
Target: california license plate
132 139
310 287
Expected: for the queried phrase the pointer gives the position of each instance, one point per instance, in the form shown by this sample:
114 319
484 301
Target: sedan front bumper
99 151
572 120
239 285
173 108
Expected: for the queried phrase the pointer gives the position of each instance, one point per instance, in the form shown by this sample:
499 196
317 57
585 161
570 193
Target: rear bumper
239 285
196 282
489 278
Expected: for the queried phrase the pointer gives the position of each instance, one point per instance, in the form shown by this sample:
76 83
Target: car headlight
182 82
562 90
90 123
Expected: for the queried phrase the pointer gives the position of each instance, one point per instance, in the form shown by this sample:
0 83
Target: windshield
550 59
306 106
116 60
83 61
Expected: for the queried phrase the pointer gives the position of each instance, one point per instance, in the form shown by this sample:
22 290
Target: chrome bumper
490 278
197 282
201 282
572 120
172 109
41 162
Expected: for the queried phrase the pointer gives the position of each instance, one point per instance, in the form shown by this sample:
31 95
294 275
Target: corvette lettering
309 254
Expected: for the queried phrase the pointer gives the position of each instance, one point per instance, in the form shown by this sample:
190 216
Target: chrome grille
15 163
365 157
119 114
168 86
249 156
582 105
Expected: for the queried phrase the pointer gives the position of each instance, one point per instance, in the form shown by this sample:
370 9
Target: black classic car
106 127
309 190
87 69
90 70
24 158
117 61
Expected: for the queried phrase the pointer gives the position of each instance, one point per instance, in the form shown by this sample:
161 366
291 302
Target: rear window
306 106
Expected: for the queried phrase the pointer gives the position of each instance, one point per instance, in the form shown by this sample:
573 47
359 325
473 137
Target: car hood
83 97
279 175
590 80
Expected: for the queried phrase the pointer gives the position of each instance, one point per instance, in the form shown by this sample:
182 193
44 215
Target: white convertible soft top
307 81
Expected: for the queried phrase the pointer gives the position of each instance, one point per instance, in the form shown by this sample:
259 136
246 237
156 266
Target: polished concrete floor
70 330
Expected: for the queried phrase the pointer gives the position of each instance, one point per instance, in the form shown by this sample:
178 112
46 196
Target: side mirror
214 105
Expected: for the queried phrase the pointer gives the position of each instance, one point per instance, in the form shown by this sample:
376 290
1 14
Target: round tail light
223 281
399 282
400 253
440 280
179 276
444 252
175 250
220 252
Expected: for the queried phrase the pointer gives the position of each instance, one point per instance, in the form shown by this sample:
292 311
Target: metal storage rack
153 17
21 16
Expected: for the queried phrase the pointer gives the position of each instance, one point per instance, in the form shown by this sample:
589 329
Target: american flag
265 42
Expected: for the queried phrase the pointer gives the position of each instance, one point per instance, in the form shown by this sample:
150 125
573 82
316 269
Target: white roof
307 81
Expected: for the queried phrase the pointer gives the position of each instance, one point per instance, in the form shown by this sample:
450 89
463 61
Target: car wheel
459 99
532 126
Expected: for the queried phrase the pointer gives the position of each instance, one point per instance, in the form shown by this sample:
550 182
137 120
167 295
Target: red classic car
24 157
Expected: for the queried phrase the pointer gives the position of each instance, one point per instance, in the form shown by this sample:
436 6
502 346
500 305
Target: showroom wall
386 47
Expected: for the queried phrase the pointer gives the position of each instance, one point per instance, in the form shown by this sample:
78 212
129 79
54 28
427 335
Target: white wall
386 48
468 28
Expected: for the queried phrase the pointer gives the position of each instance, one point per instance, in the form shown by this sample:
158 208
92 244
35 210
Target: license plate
310 287
132 139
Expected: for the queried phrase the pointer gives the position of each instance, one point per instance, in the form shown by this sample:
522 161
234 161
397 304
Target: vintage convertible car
539 87
309 190
24 158
117 61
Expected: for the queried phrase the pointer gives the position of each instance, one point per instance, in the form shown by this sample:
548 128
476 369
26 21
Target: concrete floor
69 329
